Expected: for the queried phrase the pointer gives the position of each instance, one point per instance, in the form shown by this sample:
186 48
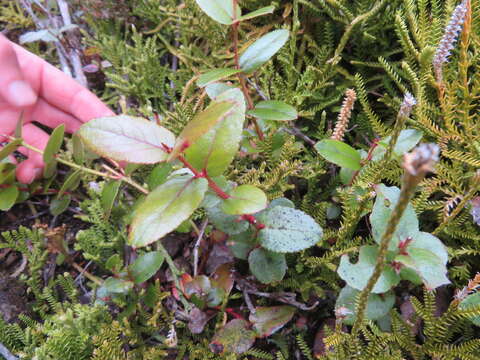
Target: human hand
44 94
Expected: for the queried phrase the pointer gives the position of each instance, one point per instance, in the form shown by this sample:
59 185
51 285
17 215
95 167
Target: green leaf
54 144
429 266
267 266
217 88
58 206
377 305
357 275
165 208
78 149
339 153
127 138
274 110
235 337
471 301
215 75
8 197
109 194
117 286
268 320
241 244
245 199
200 125
282 202
387 198
145 266
215 150
262 50
288 230
159 175
211 198
71 183
260 12
221 11
7 172
229 224
407 140
9 148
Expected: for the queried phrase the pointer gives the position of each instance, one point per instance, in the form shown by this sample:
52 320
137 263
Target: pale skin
45 95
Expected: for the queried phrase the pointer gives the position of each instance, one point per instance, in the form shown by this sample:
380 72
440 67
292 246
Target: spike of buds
422 159
345 114
449 38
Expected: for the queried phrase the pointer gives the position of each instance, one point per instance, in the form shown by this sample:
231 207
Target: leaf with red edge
268 320
200 125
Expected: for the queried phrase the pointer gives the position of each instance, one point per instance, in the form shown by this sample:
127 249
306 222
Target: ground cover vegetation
284 180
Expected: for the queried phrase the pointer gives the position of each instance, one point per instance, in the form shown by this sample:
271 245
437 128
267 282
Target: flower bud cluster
449 38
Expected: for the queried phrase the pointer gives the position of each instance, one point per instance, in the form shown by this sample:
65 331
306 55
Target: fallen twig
6 353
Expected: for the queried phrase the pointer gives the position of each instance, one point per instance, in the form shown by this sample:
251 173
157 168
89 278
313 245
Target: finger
32 168
50 116
15 90
59 89
9 118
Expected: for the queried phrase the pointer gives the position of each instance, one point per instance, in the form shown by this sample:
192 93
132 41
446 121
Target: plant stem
410 183
212 184
115 175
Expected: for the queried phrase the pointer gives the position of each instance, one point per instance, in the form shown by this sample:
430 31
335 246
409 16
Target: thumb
14 89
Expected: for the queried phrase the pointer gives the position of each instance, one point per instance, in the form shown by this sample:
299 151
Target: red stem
212 184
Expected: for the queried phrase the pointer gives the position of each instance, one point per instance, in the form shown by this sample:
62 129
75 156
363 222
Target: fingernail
21 94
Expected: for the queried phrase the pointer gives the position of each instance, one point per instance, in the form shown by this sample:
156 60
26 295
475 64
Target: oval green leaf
245 199
109 194
215 75
260 12
387 198
165 208
215 150
229 224
8 197
221 11
71 183
267 266
54 143
268 320
145 266
127 138
288 230
274 110
263 49
200 125
357 275
117 286
339 153
377 305
58 206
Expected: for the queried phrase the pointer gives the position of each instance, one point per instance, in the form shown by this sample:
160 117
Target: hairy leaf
288 230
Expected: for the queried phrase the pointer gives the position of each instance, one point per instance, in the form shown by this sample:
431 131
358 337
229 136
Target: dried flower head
407 105
449 38
345 114
422 159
